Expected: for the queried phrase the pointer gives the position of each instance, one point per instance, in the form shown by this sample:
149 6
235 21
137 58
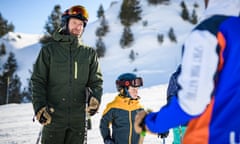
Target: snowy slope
17 127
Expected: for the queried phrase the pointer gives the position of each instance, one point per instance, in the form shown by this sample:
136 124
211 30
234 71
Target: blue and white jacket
209 98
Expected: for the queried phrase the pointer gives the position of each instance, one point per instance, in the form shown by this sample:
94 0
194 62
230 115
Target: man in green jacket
63 70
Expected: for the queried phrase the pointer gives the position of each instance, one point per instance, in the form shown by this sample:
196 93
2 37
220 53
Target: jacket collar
66 39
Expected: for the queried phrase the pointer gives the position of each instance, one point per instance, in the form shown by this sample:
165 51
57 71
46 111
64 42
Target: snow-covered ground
17 127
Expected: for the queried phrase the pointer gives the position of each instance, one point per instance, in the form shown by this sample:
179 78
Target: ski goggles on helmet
79 12
134 83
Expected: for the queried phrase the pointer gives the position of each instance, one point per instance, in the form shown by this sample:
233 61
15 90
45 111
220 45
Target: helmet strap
126 92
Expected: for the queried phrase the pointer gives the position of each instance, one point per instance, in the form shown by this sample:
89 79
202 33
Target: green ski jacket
61 72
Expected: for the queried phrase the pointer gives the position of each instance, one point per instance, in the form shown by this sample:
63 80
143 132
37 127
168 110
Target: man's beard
76 33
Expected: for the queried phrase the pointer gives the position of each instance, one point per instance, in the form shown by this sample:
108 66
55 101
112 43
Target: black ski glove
108 140
163 135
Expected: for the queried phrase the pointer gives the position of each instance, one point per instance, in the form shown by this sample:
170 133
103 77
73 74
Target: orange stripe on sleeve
222 44
198 129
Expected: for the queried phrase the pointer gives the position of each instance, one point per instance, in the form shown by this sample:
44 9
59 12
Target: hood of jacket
222 7
66 39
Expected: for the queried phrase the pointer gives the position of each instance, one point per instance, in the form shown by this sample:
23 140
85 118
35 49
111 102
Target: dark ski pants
67 136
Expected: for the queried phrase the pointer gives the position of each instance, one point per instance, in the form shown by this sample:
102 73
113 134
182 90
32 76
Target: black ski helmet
78 12
128 79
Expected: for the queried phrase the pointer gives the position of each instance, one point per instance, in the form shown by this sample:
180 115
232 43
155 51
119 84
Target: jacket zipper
70 82
75 69
130 127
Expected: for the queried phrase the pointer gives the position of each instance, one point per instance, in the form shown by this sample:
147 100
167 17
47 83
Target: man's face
75 27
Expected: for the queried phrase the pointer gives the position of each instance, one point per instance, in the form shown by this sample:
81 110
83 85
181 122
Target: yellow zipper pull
75 70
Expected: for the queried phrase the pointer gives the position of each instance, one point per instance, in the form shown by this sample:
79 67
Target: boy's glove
44 115
93 106
139 125
108 141
163 135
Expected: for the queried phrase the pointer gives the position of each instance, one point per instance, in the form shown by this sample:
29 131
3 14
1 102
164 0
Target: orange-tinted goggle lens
76 10
138 82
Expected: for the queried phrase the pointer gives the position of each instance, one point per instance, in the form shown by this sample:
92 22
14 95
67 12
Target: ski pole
162 137
39 136
87 116
40 132
163 140
180 133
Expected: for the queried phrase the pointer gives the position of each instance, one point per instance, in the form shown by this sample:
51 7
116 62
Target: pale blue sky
30 16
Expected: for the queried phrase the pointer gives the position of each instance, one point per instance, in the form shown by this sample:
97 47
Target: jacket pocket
81 71
59 73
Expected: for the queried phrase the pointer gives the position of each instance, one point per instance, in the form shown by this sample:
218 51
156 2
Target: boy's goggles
126 83
78 11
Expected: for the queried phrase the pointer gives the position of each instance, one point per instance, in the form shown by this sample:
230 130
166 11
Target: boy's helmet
77 11
128 79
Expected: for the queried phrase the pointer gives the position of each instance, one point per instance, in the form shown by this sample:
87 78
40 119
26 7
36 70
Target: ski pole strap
88 92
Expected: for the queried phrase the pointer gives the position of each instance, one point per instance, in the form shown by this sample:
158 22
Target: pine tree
4 26
185 13
100 11
2 50
10 83
100 47
127 38
11 65
195 5
53 23
2 53
103 29
2 90
172 35
132 55
160 38
145 23
155 2
54 20
104 24
194 19
101 32
14 90
27 91
130 12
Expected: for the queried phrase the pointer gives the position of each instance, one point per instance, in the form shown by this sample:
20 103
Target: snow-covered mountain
26 48
154 61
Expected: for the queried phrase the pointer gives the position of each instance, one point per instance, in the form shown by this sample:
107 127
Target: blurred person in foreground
62 71
210 85
172 91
